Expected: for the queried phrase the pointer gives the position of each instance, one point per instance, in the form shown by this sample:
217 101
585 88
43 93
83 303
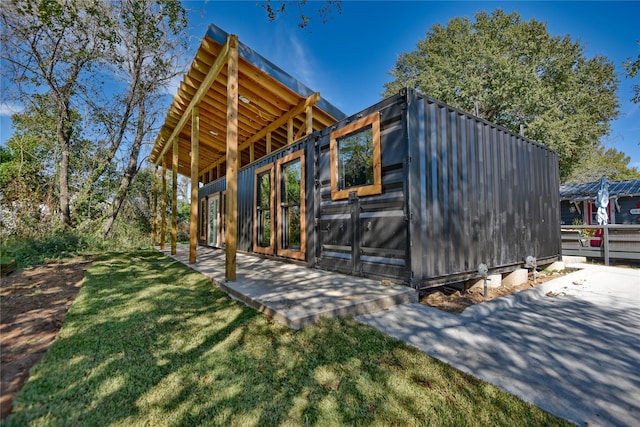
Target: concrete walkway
295 295
570 346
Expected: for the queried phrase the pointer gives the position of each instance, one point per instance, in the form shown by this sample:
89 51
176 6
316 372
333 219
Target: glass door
213 235
263 215
291 233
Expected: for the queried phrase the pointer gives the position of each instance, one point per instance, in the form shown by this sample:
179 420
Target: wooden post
174 198
163 212
290 130
309 113
155 206
251 153
269 143
195 143
231 217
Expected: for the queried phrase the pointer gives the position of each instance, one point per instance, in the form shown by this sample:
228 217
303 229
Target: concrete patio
292 294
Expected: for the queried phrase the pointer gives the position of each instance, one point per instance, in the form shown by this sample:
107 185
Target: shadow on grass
149 341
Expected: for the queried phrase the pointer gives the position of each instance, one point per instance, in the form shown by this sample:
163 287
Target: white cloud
9 109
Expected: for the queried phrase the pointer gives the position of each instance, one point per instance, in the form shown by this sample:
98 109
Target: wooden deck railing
607 242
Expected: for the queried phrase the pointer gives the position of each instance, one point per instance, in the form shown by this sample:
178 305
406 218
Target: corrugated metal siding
367 235
457 191
246 193
487 196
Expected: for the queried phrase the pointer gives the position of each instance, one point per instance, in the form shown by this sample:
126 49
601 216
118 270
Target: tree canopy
514 73
632 67
108 61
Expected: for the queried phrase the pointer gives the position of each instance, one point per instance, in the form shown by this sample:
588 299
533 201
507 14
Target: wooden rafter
202 90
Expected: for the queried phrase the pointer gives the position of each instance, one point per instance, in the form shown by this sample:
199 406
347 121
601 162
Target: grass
150 342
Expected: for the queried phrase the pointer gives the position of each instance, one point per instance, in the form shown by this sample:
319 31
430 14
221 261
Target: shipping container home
577 202
409 189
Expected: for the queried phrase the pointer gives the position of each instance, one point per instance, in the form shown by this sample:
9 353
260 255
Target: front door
290 217
213 235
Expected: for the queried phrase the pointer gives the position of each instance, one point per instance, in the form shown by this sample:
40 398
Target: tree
323 11
145 61
609 162
632 67
54 45
514 73
27 169
107 59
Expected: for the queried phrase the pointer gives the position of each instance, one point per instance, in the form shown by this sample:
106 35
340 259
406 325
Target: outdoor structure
577 202
408 189
582 235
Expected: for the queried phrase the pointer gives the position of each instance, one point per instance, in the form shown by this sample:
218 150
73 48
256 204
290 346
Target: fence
607 242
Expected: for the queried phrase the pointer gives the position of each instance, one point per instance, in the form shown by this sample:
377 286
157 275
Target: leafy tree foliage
279 7
609 162
514 73
52 46
74 50
632 68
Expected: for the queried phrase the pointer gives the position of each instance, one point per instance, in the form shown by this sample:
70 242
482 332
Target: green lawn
150 342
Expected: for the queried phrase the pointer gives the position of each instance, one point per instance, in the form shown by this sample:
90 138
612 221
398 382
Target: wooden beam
302 105
231 217
202 90
163 212
174 198
193 223
155 206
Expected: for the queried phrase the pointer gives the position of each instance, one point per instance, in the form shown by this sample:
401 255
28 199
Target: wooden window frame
363 190
267 250
289 253
204 223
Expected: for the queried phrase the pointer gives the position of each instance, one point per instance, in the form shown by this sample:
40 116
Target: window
291 233
355 158
263 235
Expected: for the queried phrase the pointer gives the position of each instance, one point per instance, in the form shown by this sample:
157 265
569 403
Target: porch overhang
274 109
232 108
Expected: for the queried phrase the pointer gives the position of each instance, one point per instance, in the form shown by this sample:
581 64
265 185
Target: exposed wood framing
301 107
290 135
309 114
212 74
231 217
174 198
195 144
163 212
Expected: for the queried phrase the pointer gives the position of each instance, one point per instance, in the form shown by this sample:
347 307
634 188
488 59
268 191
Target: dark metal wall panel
367 235
207 190
489 196
246 194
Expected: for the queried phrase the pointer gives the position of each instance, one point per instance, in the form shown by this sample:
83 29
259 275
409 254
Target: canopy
274 109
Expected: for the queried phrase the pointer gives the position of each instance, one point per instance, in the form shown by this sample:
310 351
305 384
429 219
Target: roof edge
220 36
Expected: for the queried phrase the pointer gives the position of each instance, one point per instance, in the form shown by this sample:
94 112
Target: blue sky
347 59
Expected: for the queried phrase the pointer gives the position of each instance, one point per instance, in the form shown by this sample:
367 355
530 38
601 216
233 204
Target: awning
274 109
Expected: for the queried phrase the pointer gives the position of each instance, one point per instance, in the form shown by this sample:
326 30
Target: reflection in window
264 210
355 159
290 205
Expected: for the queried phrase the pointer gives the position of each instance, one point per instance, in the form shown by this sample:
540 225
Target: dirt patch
33 303
454 299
